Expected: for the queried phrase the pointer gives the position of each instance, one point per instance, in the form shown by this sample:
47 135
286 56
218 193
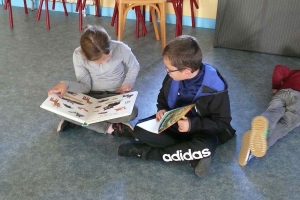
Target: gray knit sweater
121 69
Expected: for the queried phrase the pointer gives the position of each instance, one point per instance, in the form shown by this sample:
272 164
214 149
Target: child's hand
124 88
59 89
160 114
183 125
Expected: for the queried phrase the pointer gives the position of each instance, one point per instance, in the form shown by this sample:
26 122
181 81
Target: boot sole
258 142
245 149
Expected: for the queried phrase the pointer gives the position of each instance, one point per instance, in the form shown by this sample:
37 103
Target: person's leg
263 125
254 140
282 116
289 121
197 149
276 108
155 140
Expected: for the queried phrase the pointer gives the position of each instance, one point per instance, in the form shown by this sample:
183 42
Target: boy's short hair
184 51
94 42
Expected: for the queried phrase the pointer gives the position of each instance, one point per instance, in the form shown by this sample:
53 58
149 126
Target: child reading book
103 68
195 136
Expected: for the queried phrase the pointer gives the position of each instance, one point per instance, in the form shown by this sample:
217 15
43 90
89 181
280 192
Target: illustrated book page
87 110
169 118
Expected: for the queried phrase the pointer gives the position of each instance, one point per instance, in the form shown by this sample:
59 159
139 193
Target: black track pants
172 145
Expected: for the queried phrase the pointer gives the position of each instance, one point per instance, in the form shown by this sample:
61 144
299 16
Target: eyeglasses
170 71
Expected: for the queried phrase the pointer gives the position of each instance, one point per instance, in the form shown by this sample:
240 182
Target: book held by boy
87 110
169 118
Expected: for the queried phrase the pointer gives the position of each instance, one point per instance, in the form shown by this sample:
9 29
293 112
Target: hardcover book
87 110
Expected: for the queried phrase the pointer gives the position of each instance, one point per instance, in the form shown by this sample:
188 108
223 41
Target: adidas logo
189 155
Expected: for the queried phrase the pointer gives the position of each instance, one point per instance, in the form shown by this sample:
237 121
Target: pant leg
169 146
290 118
276 109
154 140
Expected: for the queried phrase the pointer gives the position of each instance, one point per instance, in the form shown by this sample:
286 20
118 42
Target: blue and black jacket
212 111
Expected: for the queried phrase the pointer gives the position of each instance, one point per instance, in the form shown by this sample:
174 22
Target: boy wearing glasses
195 137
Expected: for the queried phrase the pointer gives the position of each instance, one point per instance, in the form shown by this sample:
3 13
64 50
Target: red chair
47 11
80 5
7 5
178 8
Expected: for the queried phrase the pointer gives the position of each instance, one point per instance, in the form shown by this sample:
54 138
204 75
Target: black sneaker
201 166
64 125
122 130
134 149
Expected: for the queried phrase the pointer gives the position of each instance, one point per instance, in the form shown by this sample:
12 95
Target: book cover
169 118
87 110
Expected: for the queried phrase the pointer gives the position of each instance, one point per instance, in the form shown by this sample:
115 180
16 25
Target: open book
169 118
87 110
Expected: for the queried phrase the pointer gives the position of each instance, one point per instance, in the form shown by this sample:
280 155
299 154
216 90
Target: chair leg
139 19
114 19
162 24
64 5
38 16
176 6
77 5
25 7
97 5
192 4
121 21
180 11
65 8
53 4
137 22
144 28
152 11
83 4
7 6
80 14
47 15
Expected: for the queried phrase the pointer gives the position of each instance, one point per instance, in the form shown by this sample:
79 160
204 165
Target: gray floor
38 163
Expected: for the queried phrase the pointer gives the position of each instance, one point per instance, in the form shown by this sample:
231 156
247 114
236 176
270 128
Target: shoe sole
258 142
202 167
59 128
245 149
